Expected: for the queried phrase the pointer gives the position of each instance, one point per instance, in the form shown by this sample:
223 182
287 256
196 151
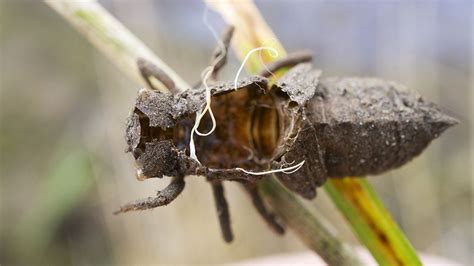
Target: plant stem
316 233
371 222
354 197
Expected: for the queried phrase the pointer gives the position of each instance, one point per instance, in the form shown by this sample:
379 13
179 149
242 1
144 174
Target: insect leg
258 203
289 61
148 69
219 56
222 211
163 197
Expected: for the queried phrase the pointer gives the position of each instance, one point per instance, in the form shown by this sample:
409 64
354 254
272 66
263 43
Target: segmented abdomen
368 126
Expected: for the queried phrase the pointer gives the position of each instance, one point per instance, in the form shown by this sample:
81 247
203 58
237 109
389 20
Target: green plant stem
354 197
371 222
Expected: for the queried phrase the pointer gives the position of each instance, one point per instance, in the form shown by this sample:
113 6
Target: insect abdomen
368 126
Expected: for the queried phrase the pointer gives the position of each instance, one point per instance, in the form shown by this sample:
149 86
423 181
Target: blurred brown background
63 109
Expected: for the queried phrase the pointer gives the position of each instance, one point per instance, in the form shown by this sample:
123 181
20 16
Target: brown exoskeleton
337 126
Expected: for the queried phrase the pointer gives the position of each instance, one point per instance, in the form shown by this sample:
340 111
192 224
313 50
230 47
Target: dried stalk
123 48
354 197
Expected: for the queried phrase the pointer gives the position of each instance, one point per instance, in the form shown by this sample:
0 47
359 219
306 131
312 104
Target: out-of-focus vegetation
63 106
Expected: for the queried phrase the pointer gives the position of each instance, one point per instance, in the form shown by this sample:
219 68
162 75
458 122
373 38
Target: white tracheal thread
200 114
274 53
287 170
206 73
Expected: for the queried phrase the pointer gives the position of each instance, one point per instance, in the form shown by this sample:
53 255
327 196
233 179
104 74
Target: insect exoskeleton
302 128
350 126
368 126
338 126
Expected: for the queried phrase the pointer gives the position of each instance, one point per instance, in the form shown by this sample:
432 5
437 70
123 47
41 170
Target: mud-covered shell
338 126
132 132
163 110
349 127
305 146
299 83
158 156
368 126
161 158
299 141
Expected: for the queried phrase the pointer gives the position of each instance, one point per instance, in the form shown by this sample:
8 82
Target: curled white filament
205 75
287 170
274 53
200 114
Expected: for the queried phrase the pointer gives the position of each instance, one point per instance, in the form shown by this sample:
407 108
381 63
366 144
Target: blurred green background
63 108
